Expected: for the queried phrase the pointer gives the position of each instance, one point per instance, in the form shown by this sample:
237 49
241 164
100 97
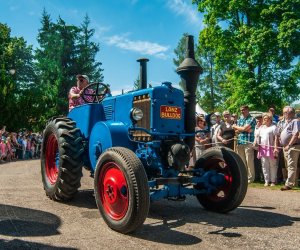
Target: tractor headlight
136 114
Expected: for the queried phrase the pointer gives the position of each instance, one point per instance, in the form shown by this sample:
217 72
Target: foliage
65 51
207 90
179 52
16 77
39 88
254 50
136 84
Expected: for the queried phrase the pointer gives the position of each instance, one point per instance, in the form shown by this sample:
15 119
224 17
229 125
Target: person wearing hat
76 92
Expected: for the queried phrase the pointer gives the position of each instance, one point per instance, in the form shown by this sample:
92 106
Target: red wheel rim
113 190
52 159
220 166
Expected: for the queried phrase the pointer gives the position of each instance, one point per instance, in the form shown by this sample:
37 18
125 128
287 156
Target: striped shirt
246 137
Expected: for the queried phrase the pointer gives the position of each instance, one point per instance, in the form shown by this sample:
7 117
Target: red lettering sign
170 112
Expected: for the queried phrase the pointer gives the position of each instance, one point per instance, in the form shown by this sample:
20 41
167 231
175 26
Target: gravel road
267 219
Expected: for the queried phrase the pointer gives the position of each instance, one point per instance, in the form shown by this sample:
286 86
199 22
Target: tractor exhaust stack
143 72
189 71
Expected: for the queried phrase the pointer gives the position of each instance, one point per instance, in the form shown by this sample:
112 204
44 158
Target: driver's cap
83 76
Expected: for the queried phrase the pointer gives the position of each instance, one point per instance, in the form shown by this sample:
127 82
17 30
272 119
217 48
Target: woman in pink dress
3 150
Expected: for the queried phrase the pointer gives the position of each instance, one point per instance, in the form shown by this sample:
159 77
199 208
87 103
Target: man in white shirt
287 136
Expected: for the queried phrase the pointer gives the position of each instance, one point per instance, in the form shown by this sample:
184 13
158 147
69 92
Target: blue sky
125 29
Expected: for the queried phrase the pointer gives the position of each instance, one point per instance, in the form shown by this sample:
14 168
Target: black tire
121 189
230 195
61 159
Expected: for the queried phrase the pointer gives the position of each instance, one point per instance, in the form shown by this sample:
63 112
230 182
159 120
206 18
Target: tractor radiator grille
108 112
143 102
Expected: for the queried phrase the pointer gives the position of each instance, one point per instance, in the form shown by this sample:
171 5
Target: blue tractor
136 146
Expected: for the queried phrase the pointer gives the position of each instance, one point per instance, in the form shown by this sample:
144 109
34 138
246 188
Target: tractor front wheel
121 189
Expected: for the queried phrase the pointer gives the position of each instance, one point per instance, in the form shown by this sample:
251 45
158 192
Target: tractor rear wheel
231 194
121 189
61 159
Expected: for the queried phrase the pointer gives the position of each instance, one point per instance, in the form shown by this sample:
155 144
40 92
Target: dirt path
267 219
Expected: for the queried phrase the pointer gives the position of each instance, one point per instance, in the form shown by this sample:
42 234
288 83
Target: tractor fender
105 135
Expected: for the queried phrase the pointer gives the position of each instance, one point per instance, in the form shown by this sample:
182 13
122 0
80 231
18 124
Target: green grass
277 187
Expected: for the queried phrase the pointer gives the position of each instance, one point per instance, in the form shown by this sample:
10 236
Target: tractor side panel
105 135
123 107
86 116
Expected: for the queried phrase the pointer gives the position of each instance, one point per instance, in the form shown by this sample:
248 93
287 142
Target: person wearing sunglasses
76 92
245 129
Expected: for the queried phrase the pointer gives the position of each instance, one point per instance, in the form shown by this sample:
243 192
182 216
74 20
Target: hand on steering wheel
95 92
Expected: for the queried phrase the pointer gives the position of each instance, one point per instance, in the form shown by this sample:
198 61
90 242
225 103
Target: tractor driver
76 92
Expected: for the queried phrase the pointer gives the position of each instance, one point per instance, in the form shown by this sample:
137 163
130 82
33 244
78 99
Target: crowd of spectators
20 145
268 144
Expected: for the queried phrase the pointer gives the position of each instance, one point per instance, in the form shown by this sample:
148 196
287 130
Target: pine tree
87 51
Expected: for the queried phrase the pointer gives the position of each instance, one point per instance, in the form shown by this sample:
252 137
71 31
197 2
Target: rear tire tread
71 152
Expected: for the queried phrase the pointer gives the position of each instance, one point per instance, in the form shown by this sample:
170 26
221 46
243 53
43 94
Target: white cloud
100 30
142 47
121 91
183 8
116 92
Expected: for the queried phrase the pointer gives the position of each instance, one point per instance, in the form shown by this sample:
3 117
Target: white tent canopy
199 110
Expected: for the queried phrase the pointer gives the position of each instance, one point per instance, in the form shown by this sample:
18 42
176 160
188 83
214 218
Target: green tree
256 48
16 78
64 51
207 90
56 62
211 92
87 52
136 84
48 68
179 51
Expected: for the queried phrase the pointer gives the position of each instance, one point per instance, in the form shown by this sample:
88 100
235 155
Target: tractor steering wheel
95 92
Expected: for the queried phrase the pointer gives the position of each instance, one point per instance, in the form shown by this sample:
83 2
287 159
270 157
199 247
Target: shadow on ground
84 198
27 245
173 215
170 215
21 222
